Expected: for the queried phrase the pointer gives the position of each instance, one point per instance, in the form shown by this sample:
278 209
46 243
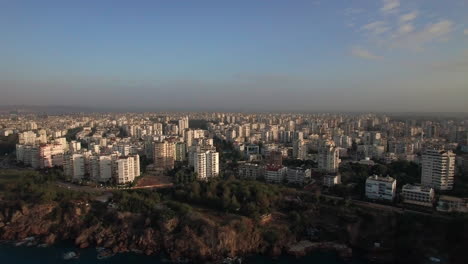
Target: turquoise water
23 255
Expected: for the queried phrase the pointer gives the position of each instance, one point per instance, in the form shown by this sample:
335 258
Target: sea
54 254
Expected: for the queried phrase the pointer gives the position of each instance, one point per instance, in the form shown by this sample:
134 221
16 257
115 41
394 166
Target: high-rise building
328 158
438 169
28 138
206 164
125 170
74 166
180 151
50 155
105 168
164 155
183 124
299 149
74 146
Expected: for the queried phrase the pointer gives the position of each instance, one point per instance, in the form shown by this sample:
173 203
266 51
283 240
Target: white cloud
408 17
377 27
405 29
390 6
434 32
465 32
364 54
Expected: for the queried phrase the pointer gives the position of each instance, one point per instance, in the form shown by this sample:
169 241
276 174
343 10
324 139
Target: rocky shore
211 237
194 236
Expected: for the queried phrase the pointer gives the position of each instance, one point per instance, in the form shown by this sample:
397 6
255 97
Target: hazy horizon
303 56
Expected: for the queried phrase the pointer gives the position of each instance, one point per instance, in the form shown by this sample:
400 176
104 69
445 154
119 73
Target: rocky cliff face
385 237
193 236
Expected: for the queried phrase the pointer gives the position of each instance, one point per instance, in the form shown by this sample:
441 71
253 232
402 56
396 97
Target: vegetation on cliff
210 220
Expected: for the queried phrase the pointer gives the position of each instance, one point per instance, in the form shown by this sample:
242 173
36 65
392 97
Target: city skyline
359 56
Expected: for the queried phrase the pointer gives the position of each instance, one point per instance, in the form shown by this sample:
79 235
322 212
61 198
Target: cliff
204 235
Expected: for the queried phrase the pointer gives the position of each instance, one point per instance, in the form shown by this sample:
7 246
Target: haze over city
236 55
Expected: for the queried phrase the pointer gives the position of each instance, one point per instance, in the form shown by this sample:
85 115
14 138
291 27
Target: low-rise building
452 204
297 175
380 188
417 194
275 174
250 171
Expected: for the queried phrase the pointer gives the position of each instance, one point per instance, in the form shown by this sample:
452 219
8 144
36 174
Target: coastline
54 254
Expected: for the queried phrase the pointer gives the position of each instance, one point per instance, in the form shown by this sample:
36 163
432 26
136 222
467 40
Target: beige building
438 169
419 195
164 155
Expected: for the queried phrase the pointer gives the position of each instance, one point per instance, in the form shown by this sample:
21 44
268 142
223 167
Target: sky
290 55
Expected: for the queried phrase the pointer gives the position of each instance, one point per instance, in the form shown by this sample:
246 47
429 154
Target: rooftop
381 178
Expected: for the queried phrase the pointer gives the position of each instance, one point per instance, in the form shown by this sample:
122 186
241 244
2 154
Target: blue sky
343 55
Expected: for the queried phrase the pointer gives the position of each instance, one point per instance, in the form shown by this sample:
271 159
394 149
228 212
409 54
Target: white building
438 169
275 174
28 154
136 165
74 146
125 172
419 195
74 166
299 149
27 138
50 155
297 175
183 124
206 164
328 158
105 168
380 188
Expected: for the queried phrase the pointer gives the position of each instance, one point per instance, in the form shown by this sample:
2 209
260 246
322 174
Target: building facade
419 195
438 169
380 188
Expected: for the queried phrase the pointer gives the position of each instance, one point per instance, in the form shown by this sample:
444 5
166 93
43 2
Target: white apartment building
183 124
275 174
206 164
297 175
299 149
27 138
50 155
380 188
74 166
180 151
28 154
419 195
105 168
127 169
438 169
328 158
74 146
